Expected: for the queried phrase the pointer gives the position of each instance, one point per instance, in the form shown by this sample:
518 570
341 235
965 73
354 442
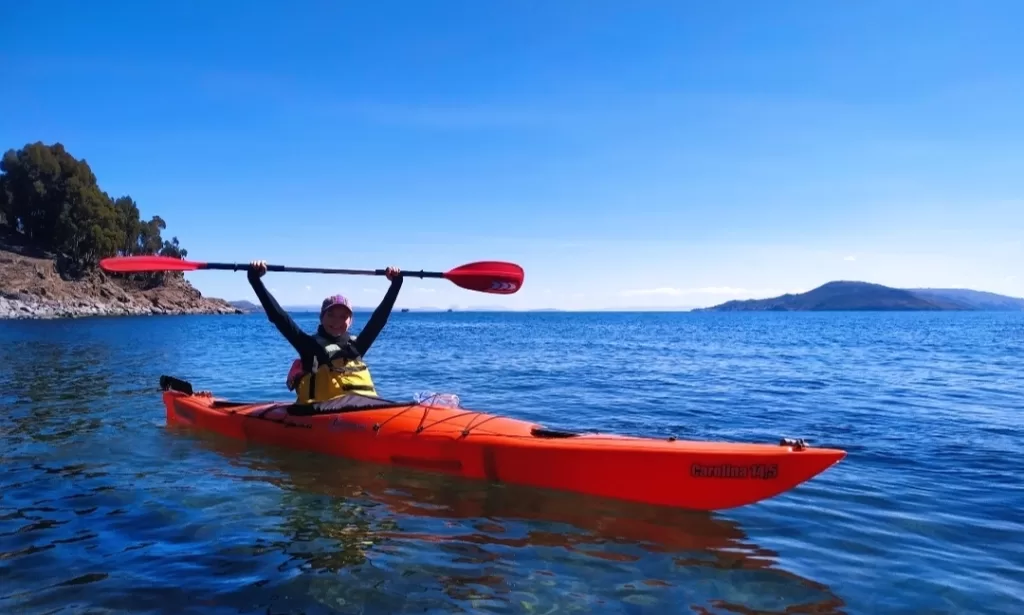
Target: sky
626 154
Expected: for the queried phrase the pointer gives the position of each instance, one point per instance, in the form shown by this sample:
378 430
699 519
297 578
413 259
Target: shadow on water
504 548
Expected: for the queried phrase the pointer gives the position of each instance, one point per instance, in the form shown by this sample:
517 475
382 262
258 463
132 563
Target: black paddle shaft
285 268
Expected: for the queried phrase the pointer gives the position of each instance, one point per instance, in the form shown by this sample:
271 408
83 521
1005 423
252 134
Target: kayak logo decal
754 471
337 424
508 287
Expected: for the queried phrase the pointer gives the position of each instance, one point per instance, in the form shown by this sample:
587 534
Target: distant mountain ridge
246 306
972 299
865 296
833 296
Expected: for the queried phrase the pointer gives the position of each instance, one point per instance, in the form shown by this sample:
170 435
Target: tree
129 224
54 200
173 248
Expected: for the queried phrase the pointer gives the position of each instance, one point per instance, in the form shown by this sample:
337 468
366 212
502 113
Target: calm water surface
104 509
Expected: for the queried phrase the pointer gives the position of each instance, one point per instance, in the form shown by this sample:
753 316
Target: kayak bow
477 445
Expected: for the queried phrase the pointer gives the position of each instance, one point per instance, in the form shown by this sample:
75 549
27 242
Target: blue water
104 509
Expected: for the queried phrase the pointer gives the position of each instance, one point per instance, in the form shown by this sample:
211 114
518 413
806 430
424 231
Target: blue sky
626 154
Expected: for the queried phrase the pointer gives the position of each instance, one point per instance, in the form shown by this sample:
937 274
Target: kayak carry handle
798 444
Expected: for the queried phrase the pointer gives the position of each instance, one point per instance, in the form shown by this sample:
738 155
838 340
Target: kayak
433 437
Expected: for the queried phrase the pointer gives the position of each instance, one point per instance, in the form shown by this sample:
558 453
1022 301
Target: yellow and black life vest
339 376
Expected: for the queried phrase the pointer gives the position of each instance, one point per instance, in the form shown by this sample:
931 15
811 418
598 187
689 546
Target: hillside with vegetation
865 296
972 299
56 223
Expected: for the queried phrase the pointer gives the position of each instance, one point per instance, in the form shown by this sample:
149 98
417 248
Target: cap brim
336 306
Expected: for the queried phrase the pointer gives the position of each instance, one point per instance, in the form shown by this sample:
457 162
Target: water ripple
103 509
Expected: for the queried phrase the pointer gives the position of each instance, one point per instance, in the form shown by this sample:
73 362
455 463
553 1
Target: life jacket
323 381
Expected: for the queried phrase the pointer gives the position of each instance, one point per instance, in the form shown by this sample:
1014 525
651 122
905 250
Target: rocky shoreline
17 306
30 288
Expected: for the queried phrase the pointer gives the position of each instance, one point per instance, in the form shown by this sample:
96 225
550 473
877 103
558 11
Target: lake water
104 509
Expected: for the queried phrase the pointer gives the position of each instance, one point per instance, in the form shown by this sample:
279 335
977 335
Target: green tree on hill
54 201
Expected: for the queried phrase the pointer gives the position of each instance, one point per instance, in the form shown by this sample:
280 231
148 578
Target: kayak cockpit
355 403
351 402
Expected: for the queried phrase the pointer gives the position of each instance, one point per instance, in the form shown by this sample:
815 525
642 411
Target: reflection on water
99 510
480 544
210 524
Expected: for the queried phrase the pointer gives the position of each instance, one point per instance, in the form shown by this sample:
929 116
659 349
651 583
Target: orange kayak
478 445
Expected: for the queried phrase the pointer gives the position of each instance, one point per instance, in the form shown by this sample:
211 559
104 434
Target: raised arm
303 343
379 318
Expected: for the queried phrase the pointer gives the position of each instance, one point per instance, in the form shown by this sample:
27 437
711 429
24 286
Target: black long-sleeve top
306 345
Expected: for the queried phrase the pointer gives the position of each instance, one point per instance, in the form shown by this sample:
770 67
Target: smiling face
336 320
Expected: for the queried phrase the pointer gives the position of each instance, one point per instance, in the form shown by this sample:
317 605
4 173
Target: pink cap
334 300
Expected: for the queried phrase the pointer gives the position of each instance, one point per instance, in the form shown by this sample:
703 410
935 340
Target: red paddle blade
137 264
493 277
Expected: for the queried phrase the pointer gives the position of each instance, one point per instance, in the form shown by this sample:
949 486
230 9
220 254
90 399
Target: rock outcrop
30 287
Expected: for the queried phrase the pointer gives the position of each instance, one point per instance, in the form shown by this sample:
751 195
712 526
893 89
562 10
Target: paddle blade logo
504 287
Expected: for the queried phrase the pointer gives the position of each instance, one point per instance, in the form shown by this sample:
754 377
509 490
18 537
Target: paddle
494 277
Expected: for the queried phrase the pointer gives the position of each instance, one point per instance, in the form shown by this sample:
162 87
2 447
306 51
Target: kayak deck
478 445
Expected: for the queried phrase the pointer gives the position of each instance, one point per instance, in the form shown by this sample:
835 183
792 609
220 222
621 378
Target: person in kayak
330 362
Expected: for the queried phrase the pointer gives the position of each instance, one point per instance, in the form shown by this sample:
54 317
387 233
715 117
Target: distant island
832 296
865 296
55 226
247 307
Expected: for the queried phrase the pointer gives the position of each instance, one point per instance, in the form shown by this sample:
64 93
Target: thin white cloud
309 288
665 290
850 258
425 290
286 94
707 290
